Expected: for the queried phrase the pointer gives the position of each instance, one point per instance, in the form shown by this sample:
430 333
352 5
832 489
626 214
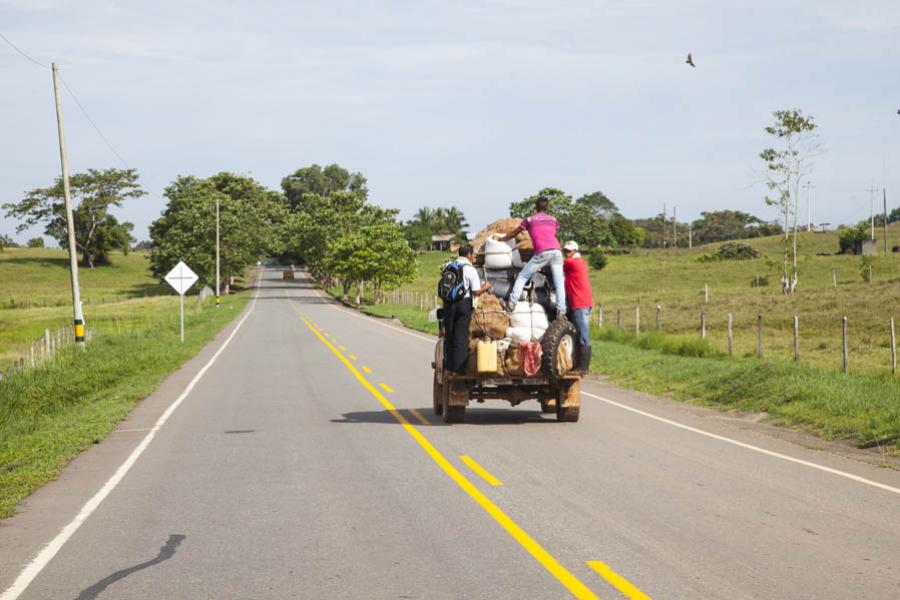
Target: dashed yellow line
572 583
419 417
352 356
617 581
342 347
386 388
481 471
367 369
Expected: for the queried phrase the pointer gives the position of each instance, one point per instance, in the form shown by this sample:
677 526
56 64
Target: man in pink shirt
542 227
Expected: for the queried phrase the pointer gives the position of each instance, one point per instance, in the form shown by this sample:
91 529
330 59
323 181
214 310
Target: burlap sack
488 319
513 361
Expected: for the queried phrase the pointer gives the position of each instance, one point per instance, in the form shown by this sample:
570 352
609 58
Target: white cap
571 245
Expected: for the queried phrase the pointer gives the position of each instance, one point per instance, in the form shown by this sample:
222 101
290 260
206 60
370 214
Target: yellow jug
487 356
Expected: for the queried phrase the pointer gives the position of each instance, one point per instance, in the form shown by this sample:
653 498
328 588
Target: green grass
50 414
40 277
35 295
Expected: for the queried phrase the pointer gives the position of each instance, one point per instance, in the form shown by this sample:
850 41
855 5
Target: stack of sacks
501 226
489 320
528 322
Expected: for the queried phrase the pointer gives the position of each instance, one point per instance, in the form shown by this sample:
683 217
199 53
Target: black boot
584 361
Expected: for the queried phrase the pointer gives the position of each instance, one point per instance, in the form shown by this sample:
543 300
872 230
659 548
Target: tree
724 225
322 182
786 167
36 242
97 232
418 235
560 203
375 253
849 237
626 232
6 242
252 220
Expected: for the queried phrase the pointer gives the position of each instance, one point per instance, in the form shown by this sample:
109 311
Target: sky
459 103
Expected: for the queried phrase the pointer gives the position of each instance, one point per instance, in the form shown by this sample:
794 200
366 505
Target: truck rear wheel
437 394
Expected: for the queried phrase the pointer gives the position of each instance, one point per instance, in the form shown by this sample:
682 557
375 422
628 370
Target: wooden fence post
658 317
834 277
706 292
893 348
844 340
759 336
47 343
730 334
796 338
599 316
637 320
618 318
703 324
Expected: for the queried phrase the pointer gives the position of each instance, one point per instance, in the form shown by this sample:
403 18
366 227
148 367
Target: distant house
442 241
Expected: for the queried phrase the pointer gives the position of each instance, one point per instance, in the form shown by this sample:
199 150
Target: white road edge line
44 557
747 446
721 438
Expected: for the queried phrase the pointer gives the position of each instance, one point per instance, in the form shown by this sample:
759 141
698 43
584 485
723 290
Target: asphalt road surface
304 462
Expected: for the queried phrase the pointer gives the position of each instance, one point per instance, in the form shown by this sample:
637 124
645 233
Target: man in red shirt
579 302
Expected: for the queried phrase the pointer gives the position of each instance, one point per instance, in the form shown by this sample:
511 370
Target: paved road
285 474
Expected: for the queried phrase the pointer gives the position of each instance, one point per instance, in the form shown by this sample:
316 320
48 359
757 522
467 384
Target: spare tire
560 337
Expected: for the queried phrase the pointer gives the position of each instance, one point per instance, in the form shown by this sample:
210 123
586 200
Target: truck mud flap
459 393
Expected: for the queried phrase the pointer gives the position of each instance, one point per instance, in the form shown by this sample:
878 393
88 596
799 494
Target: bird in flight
690 61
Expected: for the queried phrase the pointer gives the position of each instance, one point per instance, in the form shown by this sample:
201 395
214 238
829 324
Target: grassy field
863 407
35 295
675 280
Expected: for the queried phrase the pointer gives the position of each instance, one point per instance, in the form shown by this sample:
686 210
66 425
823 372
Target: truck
553 387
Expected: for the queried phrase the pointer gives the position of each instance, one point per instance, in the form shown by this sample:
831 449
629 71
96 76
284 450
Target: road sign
181 278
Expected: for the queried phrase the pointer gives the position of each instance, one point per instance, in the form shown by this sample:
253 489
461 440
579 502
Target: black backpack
452 286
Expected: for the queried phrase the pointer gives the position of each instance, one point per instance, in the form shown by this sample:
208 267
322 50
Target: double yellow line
572 583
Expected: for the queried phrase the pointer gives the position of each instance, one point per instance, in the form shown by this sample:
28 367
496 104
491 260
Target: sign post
181 278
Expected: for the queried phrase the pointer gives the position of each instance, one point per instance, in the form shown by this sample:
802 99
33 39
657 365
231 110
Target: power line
74 97
91 121
14 47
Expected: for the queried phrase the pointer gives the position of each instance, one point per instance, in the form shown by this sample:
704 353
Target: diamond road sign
181 278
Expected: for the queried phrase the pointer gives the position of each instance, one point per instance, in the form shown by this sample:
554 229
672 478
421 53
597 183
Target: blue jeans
581 319
553 258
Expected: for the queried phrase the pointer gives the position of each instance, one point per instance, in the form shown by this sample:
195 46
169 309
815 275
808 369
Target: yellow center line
352 356
386 388
367 369
342 347
572 583
617 581
419 417
480 470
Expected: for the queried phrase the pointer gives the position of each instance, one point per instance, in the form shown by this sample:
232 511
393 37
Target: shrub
759 281
36 242
731 251
851 236
597 259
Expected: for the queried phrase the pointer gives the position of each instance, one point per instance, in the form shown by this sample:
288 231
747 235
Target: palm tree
425 216
455 220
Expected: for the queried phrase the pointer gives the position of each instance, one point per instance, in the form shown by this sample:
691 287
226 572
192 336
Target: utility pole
665 219
70 224
872 208
690 235
218 298
674 227
884 195
809 186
